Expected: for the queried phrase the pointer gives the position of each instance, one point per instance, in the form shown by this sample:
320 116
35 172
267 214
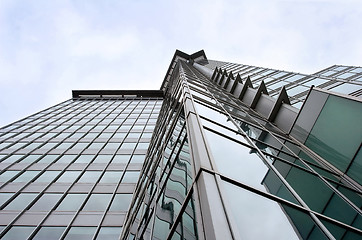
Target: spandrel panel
257 217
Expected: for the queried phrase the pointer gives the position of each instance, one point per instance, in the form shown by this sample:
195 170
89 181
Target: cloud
52 47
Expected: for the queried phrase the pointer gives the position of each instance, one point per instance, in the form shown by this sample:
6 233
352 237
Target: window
90 177
71 202
111 177
18 232
46 202
121 202
97 202
21 201
46 233
80 233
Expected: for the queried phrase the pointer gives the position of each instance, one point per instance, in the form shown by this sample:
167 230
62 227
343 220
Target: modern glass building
221 151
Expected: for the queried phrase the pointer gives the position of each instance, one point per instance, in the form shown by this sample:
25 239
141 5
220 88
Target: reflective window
97 202
90 177
46 202
131 177
49 233
241 163
103 158
121 202
4 197
84 159
47 176
7 175
261 218
17 232
71 202
109 233
26 176
111 177
121 158
21 201
69 176
80 233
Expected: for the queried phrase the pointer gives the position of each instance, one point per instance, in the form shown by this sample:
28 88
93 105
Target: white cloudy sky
48 48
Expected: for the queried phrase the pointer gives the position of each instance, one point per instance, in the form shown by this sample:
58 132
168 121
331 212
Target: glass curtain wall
69 171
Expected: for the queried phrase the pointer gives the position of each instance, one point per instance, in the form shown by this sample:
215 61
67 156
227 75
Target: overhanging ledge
116 93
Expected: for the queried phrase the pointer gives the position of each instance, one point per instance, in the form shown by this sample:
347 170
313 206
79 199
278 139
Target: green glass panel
355 170
337 133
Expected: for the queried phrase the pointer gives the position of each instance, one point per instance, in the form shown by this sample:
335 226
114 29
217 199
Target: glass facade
69 171
224 153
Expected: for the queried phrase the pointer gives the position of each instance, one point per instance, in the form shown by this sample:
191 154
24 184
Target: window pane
68 176
97 202
80 233
46 202
49 233
16 233
47 176
26 176
90 177
131 177
121 159
7 175
21 201
109 233
111 177
121 202
258 217
71 202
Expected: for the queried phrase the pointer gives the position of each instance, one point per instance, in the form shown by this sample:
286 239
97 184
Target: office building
221 151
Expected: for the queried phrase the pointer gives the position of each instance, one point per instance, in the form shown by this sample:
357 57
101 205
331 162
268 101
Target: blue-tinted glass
121 202
17 233
69 176
111 177
80 233
71 202
257 217
49 233
21 201
45 202
97 202
109 233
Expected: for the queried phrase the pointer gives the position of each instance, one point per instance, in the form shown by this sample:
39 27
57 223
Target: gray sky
48 48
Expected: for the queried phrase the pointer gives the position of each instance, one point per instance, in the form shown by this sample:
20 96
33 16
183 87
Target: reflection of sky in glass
237 161
257 217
